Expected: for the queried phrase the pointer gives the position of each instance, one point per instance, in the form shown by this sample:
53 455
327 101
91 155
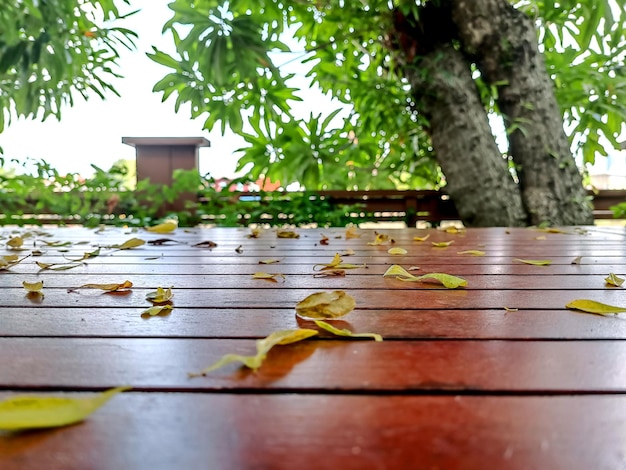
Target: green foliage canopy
53 48
230 62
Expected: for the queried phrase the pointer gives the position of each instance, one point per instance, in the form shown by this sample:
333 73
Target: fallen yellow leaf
442 244
33 286
269 261
577 260
129 244
15 243
157 310
263 346
454 230
534 262
591 306
8 261
287 234
614 280
166 227
336 263
471 252
58 266
421 239
254 233
508 309
397 251
160 296
330 273
24 412
268 276
351 233
448 281
326 305
345 332
106 287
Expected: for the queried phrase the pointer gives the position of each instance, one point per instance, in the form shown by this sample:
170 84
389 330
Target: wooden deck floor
495 375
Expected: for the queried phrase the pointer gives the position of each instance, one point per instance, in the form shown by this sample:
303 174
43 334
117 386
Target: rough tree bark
503 41
435 52
477 176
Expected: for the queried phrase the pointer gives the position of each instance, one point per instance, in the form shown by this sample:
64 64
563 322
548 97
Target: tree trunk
477 175
503 42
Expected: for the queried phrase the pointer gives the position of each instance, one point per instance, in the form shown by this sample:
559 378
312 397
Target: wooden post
158 157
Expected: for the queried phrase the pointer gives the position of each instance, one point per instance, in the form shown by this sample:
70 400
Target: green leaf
345 332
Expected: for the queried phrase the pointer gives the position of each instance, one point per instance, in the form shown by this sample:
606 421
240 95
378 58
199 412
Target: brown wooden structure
496 375
158 157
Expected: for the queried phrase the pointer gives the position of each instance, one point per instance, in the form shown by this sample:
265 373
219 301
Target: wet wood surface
496 374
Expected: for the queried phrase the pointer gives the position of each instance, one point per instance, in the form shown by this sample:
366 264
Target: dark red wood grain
458 382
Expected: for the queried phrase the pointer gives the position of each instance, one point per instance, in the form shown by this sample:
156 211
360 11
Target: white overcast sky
92 131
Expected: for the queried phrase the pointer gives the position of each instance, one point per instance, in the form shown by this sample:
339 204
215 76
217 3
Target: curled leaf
33 286
15 243
268 276
324 240
336 263
331 273
157 310
471 252
448 281
254 233
24 412
534 262
345 332
397 251
348 252
8 261
591 306
287 234
351 233
454 230
269 261
58 266
577 260
106 287
422 239
614 280
263 346
166 227
160 296
442 244
508 309
326 305
380 239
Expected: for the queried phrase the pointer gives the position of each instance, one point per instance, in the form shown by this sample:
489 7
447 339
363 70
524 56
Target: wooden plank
415 296
466 366
257 323
193 431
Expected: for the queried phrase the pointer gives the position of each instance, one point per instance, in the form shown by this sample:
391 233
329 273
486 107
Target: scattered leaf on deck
508 309
397 251
471 252
157 310
161 241
160 296
351 233
15 243
326 305
454 230
87 255
106 287
541 237
591 306
239 249
348 252
129 244
337 263
268 276
263 346
166 227
413 268
448 281
23 412
614 280
331 273
206 244
345 332
287 234
58 266
381 238
254 233
58 244
442 244
269 261
534 262
577 260
33 286
422 239
8 261
324 240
